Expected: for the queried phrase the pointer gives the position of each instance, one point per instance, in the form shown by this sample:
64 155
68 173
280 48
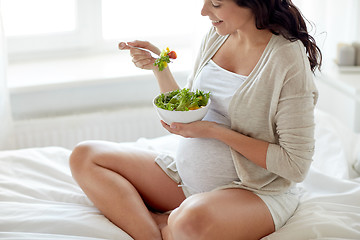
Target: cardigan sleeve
291 156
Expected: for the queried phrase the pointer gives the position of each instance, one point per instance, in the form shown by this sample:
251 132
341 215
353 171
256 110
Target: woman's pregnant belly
204 164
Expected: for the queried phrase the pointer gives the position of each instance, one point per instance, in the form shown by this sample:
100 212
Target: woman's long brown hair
283 17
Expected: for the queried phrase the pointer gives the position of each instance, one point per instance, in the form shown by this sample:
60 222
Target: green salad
182 100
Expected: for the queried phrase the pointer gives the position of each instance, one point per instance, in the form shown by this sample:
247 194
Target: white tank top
205 164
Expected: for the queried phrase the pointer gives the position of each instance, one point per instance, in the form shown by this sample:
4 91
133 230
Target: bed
40 200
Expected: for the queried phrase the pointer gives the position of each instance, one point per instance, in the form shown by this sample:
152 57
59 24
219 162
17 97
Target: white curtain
5 112
335 22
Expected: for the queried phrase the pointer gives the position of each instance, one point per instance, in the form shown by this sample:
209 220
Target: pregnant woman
234 172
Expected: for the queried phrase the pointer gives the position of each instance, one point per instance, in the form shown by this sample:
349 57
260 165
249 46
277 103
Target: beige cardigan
275 104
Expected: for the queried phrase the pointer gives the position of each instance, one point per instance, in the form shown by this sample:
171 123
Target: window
37 28
32 18
145 20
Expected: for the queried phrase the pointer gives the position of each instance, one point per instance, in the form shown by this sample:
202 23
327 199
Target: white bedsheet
40 200
329 209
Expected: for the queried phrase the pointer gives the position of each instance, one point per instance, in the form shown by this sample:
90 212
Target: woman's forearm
165 80
253 149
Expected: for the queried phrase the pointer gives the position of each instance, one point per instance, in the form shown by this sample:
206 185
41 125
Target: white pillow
335 147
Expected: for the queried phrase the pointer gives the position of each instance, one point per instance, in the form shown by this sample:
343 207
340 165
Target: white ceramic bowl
181 116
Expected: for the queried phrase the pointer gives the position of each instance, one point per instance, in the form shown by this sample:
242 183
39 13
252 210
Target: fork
154 55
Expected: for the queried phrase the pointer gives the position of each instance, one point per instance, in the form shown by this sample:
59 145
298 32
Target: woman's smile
216 23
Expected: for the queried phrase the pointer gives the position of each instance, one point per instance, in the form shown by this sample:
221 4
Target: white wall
335 21
81 97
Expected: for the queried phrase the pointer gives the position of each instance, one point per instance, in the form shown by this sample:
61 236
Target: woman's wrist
166 80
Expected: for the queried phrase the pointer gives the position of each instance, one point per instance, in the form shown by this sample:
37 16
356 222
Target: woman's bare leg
224 214
122 183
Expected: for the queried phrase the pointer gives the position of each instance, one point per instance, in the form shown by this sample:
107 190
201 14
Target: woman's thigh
222 214
137 166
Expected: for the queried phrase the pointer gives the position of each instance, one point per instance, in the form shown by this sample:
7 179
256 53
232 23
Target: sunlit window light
24 17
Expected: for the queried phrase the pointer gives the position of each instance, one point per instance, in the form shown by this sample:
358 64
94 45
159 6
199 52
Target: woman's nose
204 10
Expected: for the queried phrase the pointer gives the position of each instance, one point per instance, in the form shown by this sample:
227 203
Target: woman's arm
253 149
165 80
143 59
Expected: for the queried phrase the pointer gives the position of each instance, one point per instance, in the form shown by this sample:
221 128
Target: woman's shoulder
283 52
283 46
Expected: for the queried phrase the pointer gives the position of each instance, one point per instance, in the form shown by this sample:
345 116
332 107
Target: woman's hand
141 59
198 129
253 149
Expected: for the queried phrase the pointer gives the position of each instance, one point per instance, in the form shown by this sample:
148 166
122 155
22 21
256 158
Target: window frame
80 40
86 39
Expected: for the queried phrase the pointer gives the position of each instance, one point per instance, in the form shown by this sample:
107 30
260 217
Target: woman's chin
221 33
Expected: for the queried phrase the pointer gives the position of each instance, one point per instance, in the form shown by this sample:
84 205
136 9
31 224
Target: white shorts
281 206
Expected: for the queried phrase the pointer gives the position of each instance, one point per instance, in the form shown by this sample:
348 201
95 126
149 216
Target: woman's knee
82 155
192 220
